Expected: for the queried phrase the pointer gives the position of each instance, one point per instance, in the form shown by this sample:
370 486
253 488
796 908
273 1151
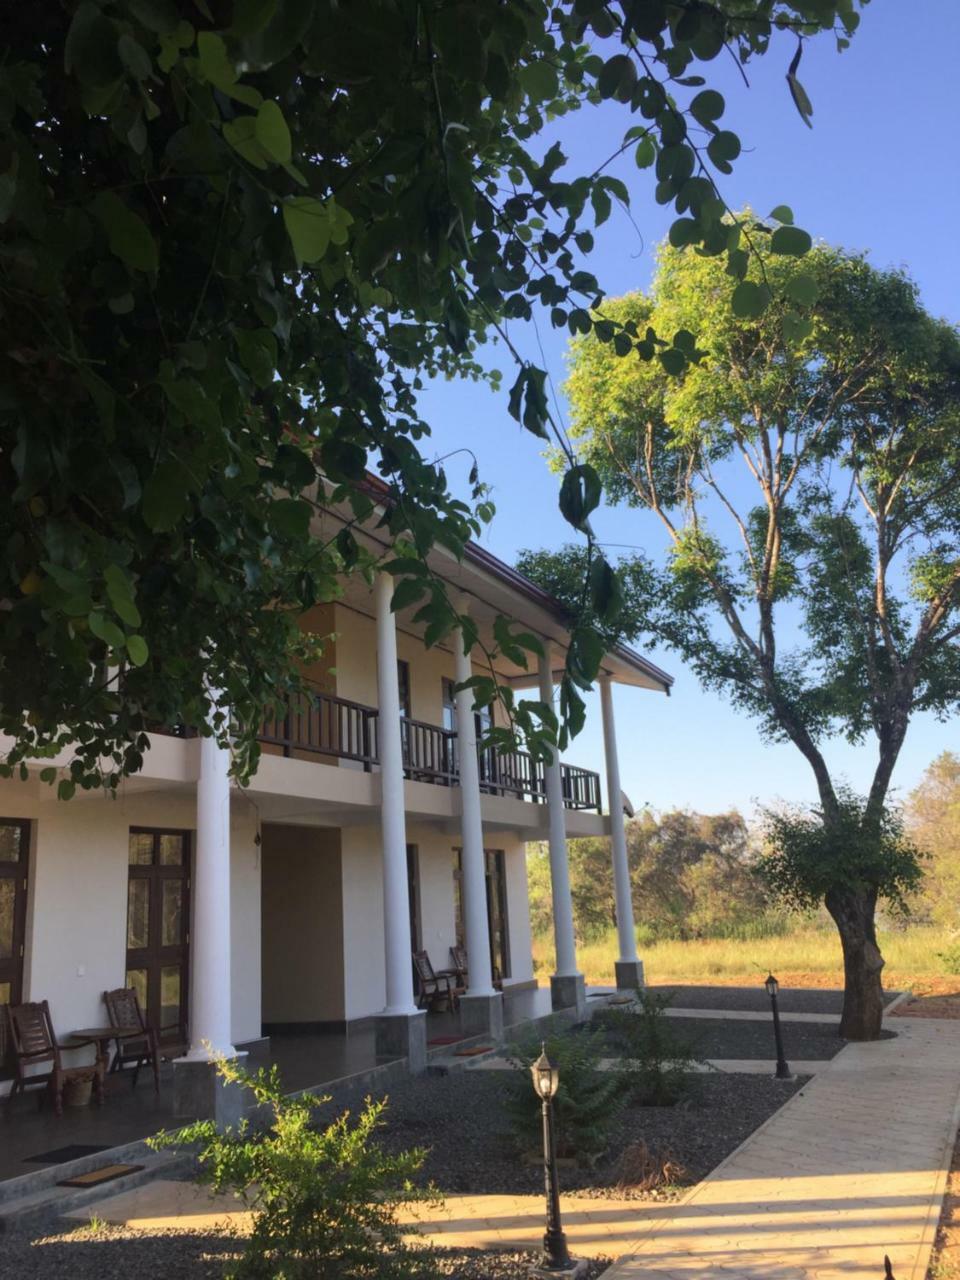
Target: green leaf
160 16
791 240
242 136
707 106
105 630
406 592
618 77
580 494
272 133
539 79
129 236
90 49
291 517
121 595
258 354
605 594
800 100
796 327
645 153
215 62
135 57
138 650
164 498
750 300
673 361
802 289
251 16
66 789
308 226
722 148
782 213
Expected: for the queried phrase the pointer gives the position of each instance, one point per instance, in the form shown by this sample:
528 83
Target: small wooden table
101 1037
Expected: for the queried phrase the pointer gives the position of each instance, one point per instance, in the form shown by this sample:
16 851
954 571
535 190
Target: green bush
656 1061
951 958
325 1197
587 1100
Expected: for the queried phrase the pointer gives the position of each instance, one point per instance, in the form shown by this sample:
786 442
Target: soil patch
929 1006
461 1118
945 1260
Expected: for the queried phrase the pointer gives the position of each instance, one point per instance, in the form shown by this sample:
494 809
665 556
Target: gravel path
115 1253
791 999
461 1118
717 1038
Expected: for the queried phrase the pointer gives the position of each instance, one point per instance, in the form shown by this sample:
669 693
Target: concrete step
34 1197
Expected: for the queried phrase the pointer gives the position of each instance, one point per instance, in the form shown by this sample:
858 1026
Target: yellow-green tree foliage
933 820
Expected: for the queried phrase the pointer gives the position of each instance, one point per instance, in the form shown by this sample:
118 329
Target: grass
807 957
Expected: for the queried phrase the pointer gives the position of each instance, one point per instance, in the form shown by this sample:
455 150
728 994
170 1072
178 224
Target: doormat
95 1177
60 1155
445 1040
472 1053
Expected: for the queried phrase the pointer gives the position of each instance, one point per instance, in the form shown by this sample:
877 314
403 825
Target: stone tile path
852 1168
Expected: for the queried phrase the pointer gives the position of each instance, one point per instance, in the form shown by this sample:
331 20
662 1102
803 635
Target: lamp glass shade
546 1077
772 985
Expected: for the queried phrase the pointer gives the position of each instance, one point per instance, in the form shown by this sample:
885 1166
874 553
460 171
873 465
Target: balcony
323 725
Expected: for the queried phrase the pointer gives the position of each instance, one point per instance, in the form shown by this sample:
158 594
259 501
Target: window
403 680
14 847
449 705
496 883
158 923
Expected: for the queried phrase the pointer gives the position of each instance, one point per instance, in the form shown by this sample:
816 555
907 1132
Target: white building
372 828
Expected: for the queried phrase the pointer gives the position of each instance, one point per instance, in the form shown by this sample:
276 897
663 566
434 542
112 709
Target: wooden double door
158 927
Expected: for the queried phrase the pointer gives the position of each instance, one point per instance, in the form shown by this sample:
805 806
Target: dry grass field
805 958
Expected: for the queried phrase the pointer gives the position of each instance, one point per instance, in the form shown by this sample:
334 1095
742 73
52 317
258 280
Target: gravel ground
790 999
461 1119
732 1038
114 1252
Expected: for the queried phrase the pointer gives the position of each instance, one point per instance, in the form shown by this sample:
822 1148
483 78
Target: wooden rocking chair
136 1043
33 1044
432 985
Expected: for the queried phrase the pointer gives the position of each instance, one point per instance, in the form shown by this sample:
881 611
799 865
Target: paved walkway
852 1168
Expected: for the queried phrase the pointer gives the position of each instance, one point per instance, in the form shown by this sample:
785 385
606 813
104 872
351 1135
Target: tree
806 472
932 819
691 875
234 238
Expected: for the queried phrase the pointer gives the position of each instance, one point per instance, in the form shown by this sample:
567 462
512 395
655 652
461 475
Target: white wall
363 963
437 920
77 898
518 908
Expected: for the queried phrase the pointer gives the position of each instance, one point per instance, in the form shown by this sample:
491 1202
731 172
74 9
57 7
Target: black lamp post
783 1071
546 1079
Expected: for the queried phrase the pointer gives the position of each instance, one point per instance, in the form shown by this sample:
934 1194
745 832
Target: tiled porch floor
128 1115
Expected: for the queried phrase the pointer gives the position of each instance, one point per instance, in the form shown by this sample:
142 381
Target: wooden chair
433 985
136 1043
458 958
33 1044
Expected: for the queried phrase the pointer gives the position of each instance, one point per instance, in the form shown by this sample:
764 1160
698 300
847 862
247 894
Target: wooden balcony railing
324 725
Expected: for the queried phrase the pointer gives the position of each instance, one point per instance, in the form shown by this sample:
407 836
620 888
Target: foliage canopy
234 237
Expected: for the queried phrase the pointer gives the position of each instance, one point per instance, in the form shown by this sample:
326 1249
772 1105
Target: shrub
640 1169
587 1100
656 1061
325 1197
951 958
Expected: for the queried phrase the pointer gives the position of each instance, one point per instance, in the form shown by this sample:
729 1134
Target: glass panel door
14 849
497 912
158 922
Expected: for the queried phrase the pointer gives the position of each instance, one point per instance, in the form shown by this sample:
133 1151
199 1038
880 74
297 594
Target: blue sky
879 173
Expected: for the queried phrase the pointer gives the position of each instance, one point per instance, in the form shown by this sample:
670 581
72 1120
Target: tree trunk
853 914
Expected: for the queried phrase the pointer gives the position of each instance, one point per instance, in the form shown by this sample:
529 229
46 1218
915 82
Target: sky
877 173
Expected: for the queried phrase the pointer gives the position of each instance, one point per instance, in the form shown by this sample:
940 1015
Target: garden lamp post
783 1071
546 1079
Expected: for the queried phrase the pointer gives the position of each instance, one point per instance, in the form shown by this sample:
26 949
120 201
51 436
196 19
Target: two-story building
374 827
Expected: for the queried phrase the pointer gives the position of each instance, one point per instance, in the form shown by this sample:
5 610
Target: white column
396 905
474 883
210 936
618 840
559 871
